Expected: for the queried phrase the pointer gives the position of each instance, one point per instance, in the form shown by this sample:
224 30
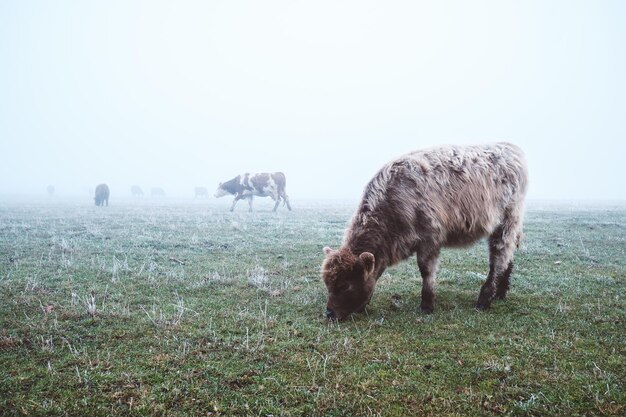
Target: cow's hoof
482 306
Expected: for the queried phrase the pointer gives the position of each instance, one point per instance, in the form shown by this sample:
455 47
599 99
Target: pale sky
179 94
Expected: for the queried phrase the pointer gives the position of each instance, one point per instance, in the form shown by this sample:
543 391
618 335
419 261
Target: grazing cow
50 190
102 195
201 192
423 201
157 192
136 191
265 184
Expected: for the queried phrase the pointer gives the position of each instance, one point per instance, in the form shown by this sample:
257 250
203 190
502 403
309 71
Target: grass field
188 309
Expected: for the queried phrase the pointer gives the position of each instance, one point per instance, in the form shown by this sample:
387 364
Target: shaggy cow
102 195
423 201
247 185
201 192
136 191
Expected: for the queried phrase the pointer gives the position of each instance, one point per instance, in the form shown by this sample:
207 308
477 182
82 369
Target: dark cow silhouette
102 195
136 191
201 192
423 201
265 184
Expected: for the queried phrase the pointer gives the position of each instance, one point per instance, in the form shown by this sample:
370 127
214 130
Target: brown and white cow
265 184
102 195
443 197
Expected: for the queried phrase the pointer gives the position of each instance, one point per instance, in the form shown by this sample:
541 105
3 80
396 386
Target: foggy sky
181 94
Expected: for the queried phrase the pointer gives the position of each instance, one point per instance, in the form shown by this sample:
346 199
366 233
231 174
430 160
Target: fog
184 94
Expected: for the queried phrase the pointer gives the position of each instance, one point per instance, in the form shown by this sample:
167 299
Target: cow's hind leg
502 243
427 264
250 203
286 200
276 201
504 282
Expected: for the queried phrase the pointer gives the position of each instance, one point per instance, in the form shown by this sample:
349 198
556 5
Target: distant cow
50 190
102 195
201 192
265 184
421 202
157 192
136 191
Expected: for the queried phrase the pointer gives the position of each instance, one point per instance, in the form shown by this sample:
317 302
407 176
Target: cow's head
350 281
221 191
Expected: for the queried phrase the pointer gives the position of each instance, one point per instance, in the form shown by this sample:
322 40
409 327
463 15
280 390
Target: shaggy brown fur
421 202
102 195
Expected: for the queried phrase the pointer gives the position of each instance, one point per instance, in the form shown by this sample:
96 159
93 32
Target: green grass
185 309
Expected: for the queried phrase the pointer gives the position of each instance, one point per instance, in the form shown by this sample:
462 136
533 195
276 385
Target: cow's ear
327 250
368 261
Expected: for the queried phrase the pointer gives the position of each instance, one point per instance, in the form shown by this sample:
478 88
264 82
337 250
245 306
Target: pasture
187 309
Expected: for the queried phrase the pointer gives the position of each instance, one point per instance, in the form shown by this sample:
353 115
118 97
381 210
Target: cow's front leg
237 198
427 264
250 203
